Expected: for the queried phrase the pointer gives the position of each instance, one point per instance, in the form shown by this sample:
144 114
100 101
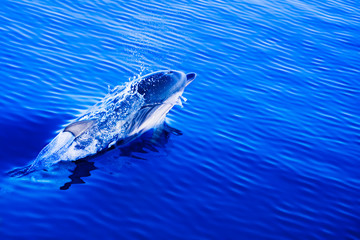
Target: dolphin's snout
190 77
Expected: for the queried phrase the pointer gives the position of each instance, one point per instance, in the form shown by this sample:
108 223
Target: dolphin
123 114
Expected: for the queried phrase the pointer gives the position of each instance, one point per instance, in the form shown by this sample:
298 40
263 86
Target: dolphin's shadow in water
82 169
149 141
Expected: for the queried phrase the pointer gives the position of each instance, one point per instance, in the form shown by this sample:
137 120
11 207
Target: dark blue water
270 144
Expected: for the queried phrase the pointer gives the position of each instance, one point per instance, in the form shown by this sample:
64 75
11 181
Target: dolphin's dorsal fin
78 128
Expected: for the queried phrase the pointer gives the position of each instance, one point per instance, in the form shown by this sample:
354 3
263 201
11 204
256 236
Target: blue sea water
270 144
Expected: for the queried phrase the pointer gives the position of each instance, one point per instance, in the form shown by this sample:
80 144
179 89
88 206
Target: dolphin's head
159 86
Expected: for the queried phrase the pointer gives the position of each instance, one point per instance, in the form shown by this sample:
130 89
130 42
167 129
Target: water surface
270 132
